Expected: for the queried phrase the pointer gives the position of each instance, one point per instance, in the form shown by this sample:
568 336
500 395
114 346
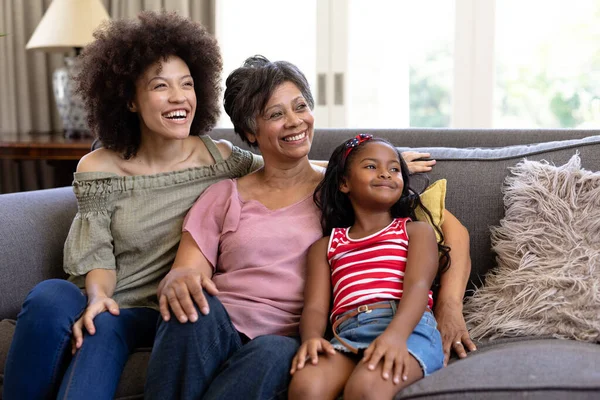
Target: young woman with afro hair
151 88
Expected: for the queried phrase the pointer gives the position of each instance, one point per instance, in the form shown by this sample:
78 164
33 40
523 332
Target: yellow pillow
434 199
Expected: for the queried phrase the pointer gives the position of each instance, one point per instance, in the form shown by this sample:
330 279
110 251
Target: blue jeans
207 360
424 343
39 363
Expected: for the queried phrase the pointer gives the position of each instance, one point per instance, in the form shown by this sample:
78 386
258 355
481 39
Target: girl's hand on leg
310 349
394 354
95 306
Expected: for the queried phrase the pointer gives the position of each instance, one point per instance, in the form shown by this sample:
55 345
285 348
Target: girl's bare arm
317 292
421 268
317 295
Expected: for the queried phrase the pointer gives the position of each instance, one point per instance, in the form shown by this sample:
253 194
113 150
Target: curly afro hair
110 66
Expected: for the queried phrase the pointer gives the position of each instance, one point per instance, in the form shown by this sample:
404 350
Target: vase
70 105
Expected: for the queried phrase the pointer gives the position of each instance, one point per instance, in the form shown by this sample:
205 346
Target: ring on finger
458 343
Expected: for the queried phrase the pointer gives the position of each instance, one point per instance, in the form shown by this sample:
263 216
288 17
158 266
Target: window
395 80
276 29
547 64
429 63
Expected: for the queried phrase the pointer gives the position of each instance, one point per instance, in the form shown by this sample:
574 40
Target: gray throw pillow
548 250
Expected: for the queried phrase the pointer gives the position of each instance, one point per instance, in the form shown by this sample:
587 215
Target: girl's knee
363 386
307 385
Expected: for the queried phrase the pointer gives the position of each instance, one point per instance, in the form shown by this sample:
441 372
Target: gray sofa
34 225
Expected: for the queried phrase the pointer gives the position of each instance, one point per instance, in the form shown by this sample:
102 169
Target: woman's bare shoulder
225 147
100 160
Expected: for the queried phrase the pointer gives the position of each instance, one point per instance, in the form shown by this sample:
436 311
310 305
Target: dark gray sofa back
33 229
34 225
474 188
327 139
475 177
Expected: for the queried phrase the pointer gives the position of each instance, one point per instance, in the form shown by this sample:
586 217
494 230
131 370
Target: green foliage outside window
430 82
559 85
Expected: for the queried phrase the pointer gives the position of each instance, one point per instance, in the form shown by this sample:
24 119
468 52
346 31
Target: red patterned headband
356 141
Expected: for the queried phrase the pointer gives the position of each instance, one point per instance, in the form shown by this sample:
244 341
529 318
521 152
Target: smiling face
165 99
285 128
374 176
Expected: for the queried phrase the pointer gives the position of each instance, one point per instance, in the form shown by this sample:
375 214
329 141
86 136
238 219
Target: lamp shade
68 24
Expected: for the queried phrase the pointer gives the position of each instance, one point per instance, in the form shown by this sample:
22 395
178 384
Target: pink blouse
258 255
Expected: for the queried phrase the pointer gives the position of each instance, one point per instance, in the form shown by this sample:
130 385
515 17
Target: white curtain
26 99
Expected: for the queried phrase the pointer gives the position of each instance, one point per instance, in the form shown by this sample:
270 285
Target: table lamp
67 25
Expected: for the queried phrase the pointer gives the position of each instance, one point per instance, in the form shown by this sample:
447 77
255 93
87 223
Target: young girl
381 285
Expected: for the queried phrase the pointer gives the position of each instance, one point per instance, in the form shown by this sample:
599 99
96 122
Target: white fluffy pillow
548 253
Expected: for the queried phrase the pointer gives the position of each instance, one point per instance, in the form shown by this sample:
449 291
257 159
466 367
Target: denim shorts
424 343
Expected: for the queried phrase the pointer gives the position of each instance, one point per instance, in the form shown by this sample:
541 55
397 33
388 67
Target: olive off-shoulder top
132 224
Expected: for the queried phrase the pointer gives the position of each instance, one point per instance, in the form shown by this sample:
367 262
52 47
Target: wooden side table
63 154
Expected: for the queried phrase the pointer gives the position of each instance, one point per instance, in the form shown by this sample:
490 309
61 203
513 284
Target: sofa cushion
34 227
548 248
475 178
434 200
524 369
326 139
504 152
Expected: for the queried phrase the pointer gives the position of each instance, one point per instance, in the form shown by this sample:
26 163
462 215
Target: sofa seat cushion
131 385
532 369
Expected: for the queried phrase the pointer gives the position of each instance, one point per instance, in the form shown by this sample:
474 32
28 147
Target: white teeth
176 113
292 138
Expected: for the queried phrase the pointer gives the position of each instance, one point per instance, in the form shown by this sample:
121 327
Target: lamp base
75 134
70 105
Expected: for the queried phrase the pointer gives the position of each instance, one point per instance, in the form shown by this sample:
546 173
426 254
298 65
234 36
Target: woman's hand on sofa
453 282
96 305
418 162
453 329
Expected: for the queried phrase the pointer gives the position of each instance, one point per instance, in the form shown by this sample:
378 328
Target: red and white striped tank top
370 269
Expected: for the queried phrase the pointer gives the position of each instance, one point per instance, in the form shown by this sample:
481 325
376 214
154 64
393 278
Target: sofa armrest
33 229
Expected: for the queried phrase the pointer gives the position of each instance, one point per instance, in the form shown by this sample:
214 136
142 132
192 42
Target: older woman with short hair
239 272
